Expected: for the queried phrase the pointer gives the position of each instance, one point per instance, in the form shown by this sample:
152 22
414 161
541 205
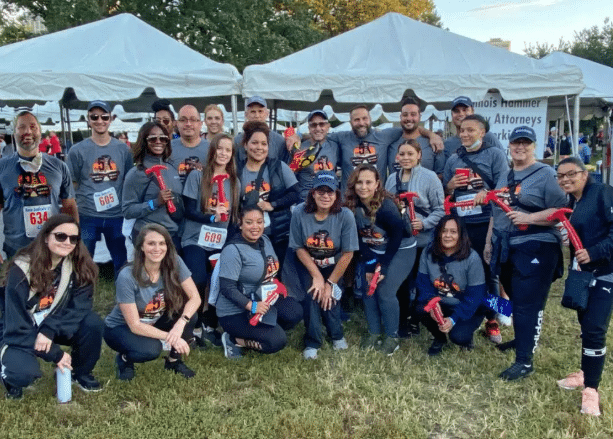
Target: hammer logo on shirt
320 245
272 268
156 306
104 169
446 286
188 165
264 190
32 184
323 164
364 153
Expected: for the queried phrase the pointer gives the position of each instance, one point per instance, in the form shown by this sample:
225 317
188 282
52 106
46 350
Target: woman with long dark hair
143 199
48 299
387 250
592 218
451 270
157 302
323 237
269 184
208 220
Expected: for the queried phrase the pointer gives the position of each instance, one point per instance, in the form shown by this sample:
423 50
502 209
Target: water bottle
64 385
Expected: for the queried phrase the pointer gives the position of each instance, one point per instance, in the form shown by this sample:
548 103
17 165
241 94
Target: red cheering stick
449 204
493 197
270 300
289 132
409 197
221 195
157 170
560 215
434 306
373 282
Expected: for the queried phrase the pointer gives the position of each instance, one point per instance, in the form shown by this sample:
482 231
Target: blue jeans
382 307
91 230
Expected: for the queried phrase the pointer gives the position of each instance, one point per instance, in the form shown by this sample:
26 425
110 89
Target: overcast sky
522 21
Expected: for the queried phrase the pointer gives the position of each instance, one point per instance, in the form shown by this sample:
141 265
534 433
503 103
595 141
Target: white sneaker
340 345
310 354
504 320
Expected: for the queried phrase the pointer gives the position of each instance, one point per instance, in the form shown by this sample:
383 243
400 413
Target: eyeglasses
190 120
325 192
61 237
164 121
104 117
317 124
157 139
569 174
521 142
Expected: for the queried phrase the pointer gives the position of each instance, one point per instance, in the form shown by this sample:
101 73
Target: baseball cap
99 104
523 132
325 178
314 113
462 100
256 100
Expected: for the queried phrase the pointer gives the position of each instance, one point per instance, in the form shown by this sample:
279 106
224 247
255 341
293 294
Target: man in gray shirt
99 165
190 150
410 116
461 107
33 186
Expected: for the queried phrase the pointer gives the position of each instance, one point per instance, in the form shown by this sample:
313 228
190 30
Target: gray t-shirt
244 263
370 149
493 164
139 188
186 159
276 147
537 189
326 160
429 206
149 300
29 199
324 240
193 229
429 160
100 172
452 144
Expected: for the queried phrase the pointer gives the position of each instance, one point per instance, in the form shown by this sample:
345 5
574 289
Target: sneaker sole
561 385
394 351
85 389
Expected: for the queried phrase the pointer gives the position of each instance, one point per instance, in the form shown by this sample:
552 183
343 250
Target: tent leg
234 102
62 124
576 129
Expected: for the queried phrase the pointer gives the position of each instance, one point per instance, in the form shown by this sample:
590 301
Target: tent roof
115 59
395 56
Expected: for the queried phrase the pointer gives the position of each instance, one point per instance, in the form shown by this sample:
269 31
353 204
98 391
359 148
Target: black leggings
526 277
197 260
463 330
594 323
477 234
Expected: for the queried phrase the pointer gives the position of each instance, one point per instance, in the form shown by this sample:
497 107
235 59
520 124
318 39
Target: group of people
256 233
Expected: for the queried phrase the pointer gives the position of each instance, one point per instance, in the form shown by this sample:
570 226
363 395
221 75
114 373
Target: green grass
341 395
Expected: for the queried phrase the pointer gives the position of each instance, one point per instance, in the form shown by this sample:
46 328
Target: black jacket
592 218
19 328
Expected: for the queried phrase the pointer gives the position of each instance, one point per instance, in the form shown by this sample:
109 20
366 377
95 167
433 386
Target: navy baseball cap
523 132
99 104
462 100
325 178
256 100
314 113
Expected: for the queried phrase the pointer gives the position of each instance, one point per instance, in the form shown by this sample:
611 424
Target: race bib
266 290
34 217
468 211
40 316
212 237
106 199
266 219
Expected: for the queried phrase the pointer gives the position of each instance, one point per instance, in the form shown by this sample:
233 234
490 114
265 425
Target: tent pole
576 121
62 124
556 145
69 127
608 147
234 102
273 115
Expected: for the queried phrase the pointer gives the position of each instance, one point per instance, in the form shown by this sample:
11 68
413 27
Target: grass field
352 394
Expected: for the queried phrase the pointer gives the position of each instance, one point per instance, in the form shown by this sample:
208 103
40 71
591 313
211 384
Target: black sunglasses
154 139
61 237
104 117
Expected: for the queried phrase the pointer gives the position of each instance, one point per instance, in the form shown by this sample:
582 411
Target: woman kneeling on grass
324 236
592 218
451 270
157 301
47 302
248 267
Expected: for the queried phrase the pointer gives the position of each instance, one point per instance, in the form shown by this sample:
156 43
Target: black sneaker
517 371
12 392
125 369
211 335
87 383
436 347
179 367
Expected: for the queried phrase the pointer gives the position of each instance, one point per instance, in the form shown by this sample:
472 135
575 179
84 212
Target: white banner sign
504 116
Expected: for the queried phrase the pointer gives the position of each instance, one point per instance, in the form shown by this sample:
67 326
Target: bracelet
452 321
254 306
330 282
212 218
151 205
186 318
